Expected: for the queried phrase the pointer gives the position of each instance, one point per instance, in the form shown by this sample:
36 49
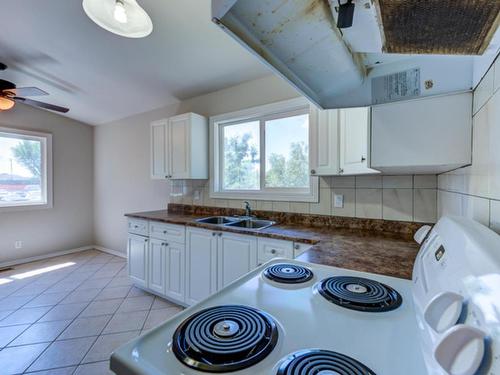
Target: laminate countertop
357 249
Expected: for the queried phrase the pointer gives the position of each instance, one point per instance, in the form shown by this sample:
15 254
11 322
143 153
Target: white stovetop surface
385 342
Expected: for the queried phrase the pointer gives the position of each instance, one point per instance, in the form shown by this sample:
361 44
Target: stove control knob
460 350
442 311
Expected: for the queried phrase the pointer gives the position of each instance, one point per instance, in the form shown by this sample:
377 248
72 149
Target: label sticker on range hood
396 86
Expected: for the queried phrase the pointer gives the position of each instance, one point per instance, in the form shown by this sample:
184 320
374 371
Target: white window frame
262 113
46 178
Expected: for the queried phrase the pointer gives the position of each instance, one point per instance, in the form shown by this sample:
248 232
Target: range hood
358 66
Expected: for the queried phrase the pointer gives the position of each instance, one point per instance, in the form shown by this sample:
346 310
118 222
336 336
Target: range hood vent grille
451 27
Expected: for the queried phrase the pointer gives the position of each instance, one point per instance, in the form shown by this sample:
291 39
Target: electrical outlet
18 244
196 195
338 200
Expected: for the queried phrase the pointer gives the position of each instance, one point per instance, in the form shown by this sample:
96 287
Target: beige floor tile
161 303
14 302
157 317
25 316
50 299
15 360
63 353
76 296
122 322
62 312
106 344
97 368
7 334
83 327
113 293
104 307
41 332
56 371
136 304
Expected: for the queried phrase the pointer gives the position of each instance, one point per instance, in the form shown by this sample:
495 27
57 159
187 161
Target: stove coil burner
322 362
225 338
288 273
357 293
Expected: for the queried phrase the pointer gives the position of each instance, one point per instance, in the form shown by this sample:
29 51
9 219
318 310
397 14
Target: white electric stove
288 318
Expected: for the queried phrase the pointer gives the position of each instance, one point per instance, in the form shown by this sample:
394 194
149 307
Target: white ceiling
102 77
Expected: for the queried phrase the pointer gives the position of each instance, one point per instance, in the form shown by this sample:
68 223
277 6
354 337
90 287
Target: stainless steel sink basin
217 220
255 224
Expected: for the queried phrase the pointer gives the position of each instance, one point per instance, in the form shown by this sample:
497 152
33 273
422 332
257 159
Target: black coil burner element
225 338
288 273
321 362
357 293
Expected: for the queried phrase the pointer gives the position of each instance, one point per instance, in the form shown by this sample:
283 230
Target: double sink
247 223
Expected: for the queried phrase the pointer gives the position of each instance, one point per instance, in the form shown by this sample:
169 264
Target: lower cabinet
236 256
201 264
137 255
189 264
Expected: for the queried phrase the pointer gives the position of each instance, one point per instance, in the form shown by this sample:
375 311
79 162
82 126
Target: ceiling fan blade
26 91
36 103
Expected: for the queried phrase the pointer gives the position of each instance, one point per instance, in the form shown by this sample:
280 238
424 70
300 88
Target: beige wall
68 224
474 191
122 183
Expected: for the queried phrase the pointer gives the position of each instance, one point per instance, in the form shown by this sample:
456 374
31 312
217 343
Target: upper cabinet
179 147
354 141
430 135
339 141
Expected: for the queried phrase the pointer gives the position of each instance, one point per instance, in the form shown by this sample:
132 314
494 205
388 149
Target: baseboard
45 256
110 251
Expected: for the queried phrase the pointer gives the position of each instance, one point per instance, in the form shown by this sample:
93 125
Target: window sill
25 207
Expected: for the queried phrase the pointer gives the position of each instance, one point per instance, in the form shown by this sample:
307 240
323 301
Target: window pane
20 171
287 152
241 156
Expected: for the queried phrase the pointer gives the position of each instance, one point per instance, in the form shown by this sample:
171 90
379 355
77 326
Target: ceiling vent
451 27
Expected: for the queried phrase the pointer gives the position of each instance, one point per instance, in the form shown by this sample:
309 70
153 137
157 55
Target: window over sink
263 153
25 169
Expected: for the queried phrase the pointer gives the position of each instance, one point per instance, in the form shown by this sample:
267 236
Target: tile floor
66 315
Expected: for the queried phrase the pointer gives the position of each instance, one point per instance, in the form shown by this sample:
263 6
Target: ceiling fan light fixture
6 103
121 17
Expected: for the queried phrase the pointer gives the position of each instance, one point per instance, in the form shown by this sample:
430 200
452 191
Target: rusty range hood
396 49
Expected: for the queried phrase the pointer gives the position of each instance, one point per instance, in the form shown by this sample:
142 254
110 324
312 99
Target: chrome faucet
248 209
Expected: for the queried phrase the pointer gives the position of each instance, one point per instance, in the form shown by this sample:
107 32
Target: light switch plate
338 200
196 195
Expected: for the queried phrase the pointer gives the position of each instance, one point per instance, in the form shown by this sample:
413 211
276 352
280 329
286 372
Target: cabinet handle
363 158
214 234
296 247
273 251
165 232
220 234
341 171
313 171
145 240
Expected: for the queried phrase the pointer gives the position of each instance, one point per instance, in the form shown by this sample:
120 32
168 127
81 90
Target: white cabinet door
236 256
156 274
179 146
175 258
137 255
201 264
324 141
159 155
354 130
269 248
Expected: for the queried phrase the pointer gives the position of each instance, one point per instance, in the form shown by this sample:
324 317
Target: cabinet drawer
169 232
138 226
269 249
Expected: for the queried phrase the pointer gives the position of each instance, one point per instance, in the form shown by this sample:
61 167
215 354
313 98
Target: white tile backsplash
369 203
343 181
474 191
397 182
425 182
349 208
495 215
398 204
424 205
370 182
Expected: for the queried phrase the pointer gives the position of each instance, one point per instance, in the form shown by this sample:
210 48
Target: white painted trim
111 251
263 111
45 256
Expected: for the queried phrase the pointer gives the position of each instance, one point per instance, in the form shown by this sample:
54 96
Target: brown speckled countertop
364 250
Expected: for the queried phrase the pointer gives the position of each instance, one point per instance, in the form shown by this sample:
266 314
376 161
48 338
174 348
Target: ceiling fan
10 94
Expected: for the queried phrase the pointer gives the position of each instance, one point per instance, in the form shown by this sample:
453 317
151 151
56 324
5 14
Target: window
25 169
263 153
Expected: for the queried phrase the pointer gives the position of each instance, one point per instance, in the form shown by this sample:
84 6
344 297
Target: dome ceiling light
121 17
